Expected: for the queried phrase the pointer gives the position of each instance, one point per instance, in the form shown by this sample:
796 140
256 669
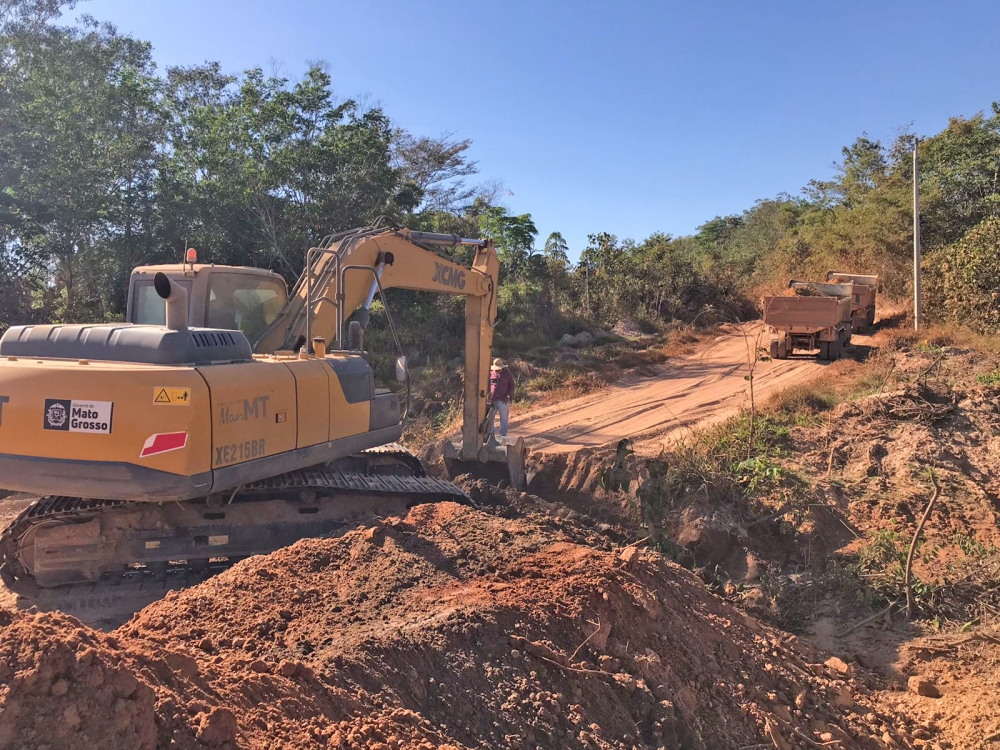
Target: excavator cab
234 298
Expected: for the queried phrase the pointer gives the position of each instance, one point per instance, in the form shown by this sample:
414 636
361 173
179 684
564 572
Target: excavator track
74 542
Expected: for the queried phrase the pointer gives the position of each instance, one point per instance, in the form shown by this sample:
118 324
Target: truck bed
827 289
863 297
806 314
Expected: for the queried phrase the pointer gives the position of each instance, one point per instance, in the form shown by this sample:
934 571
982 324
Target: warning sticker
172 396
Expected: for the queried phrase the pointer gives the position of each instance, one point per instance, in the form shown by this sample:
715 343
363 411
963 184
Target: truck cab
236 298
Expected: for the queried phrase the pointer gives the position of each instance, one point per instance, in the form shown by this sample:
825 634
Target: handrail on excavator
418 238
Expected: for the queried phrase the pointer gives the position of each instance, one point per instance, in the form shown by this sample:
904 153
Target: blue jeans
503 409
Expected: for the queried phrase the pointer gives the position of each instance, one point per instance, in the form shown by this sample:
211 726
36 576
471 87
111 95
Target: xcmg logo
449 276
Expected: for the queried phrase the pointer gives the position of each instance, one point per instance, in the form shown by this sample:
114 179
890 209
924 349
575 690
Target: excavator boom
343 276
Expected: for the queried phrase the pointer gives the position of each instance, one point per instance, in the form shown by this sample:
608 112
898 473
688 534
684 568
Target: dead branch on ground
867 620
924 373
947 644
908 405
892 366
785 508
910 607
586 640
829 461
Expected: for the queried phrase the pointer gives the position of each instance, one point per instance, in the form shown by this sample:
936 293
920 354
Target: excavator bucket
495 462
515 456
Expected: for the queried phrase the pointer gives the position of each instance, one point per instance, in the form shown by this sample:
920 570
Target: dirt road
695 390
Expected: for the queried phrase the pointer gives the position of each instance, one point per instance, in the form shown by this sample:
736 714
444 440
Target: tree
863 169
514 237
78 154
556 248
260 169
966 275
434 172
960 168
30 16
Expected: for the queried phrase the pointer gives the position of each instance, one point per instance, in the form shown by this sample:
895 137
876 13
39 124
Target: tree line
106 163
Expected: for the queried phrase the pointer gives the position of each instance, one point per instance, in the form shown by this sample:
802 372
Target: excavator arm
341 279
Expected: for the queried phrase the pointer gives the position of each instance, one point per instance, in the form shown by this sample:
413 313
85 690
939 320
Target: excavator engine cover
151 414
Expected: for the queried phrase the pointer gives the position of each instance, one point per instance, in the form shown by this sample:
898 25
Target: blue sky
624 117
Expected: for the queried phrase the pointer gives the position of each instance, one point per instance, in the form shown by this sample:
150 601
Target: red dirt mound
449 627
64 685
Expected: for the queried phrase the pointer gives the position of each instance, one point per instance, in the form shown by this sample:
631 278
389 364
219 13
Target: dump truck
862 299
814 317
217 423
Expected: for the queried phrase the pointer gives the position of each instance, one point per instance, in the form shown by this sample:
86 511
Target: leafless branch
910 607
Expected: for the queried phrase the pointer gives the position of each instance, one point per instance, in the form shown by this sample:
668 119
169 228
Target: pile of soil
63 685
450 627
929 415
965 669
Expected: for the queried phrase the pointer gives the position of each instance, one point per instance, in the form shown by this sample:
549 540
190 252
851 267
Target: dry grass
542 382
941 335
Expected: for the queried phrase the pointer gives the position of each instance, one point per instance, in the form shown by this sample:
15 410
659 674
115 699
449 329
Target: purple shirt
501 385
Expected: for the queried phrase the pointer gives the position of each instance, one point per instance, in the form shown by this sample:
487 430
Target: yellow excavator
227 417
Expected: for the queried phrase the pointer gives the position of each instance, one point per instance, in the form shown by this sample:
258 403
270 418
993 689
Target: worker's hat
498 364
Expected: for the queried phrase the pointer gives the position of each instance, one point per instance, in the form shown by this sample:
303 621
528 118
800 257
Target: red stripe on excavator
163 442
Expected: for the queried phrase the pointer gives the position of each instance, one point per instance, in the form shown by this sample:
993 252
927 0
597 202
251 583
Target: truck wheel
871 318
773 349
783 349
824 350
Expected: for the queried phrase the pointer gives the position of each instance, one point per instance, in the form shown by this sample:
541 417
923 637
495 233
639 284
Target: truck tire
783 347
824 350
773 349
834 350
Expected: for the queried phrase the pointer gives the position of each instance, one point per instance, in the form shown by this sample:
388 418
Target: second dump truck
862 297
815 317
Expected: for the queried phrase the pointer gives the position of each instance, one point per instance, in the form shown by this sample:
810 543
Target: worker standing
501 392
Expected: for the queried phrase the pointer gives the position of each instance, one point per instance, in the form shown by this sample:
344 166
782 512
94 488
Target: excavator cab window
244 302
148 308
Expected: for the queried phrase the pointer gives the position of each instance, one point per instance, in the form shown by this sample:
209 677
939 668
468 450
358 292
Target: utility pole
917 308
